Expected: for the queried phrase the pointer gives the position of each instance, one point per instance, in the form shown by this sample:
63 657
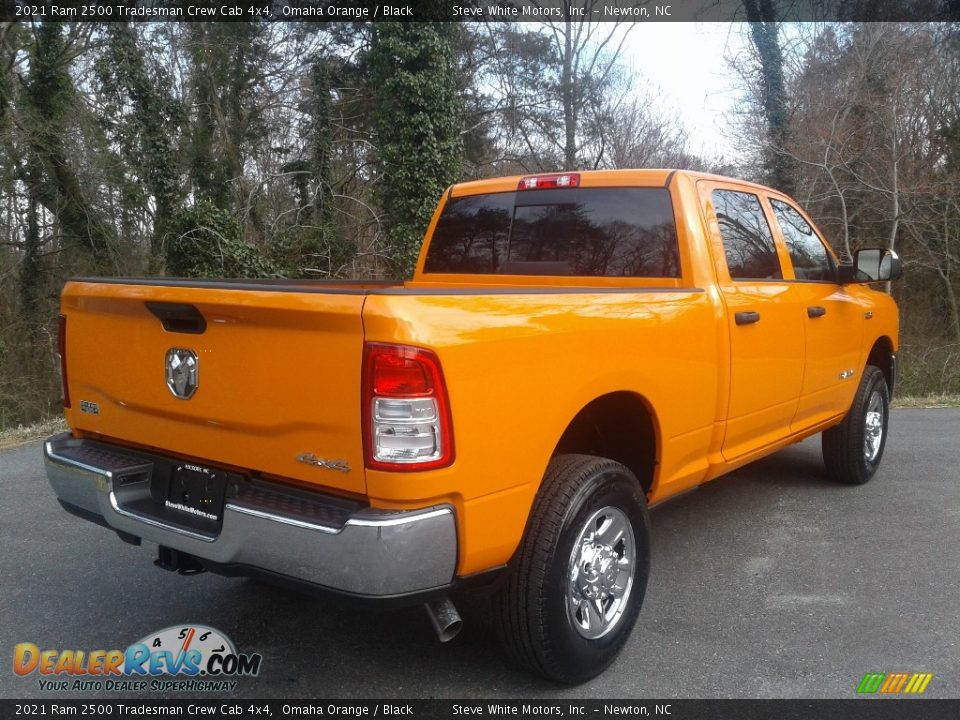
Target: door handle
816 311
746 318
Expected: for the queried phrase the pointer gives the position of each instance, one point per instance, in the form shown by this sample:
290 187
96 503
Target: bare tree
546 81
636 134
874 117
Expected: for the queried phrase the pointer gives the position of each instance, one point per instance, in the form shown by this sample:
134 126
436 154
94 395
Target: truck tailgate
278 374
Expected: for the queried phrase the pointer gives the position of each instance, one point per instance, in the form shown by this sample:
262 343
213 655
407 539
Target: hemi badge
846 374
868 314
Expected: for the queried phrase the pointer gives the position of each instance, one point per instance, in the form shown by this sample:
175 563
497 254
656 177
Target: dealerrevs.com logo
191 658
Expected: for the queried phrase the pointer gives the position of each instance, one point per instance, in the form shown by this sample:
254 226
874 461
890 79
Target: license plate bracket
198 491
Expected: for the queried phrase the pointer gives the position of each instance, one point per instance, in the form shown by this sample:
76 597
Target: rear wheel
853 449
575 589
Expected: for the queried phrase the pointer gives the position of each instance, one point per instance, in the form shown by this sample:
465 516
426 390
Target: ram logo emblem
182 371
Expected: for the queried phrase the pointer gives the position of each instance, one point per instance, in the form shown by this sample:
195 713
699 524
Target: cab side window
747 240
809 256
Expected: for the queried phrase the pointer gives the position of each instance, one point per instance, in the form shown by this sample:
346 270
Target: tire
530 611
852 450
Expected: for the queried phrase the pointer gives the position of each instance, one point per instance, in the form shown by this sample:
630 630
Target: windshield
591 232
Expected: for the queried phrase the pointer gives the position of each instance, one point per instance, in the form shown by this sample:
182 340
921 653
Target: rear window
591 232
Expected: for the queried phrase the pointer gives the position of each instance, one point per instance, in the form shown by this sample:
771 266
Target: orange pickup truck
573 349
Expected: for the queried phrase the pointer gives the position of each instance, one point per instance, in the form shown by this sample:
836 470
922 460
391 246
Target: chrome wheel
873 432
600 573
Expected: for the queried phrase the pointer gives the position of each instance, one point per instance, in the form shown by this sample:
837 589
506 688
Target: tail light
62 358
406 414
544 182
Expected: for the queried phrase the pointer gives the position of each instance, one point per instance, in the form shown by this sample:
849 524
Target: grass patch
927 370
938 400
21 434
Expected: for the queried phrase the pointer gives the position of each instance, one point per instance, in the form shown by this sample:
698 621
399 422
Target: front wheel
853 449
575 589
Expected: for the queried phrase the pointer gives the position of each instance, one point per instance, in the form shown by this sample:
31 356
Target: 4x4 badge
182 371
311 459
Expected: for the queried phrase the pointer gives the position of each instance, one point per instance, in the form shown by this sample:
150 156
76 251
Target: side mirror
872 265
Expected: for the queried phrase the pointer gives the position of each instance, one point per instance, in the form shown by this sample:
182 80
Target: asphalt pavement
770 582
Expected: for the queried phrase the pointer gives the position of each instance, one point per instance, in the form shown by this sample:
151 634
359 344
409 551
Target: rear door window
592 232
747 241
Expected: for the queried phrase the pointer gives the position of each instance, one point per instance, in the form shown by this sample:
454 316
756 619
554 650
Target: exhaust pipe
445 619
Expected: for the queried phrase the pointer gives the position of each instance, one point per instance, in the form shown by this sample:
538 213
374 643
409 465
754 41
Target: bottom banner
426 709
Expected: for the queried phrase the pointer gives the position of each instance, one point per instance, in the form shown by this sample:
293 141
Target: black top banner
567 708
476 10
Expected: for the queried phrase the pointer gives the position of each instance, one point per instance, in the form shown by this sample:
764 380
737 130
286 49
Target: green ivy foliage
146 134
312 247
206 242
418 119
307 251
49 108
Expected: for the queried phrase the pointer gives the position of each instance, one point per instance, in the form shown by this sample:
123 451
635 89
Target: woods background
320 150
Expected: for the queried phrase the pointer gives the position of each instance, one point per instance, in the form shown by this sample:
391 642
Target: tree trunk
569 104
763 30
322 143
952 308
895 186
30 274
50 175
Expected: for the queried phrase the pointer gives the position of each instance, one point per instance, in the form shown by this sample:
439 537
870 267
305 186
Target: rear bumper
304 537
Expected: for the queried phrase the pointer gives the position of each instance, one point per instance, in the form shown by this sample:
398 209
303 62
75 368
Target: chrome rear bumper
307 537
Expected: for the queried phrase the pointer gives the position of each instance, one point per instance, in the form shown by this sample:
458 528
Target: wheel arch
882 356
621 426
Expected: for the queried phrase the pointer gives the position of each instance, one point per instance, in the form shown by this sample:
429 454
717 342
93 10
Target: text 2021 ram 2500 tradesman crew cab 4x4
572 349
